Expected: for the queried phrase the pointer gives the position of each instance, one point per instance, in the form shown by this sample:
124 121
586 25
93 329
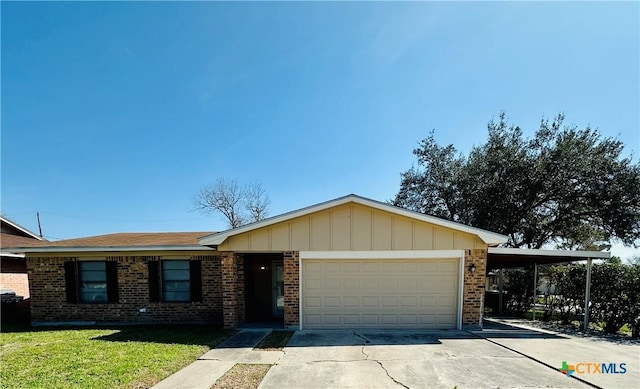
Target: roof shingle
127 239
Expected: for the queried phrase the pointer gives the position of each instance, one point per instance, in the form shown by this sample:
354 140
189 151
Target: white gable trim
488 237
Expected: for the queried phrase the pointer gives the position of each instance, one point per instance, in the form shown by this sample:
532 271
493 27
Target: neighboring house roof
10 227
136 241
12 235
488 237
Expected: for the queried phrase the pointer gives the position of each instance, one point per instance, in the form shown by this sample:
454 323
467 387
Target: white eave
11 254
550 253
488 237
78 249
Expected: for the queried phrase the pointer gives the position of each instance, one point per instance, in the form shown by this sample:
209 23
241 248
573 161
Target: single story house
351 262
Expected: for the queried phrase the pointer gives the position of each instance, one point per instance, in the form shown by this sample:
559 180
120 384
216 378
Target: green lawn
123 357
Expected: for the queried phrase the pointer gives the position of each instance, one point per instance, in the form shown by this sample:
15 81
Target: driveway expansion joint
390 377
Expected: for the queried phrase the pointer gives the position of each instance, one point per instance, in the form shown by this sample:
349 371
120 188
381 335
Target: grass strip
242 376
102 357
275 341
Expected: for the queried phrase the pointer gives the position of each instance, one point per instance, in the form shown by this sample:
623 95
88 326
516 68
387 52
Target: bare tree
238 204
256 202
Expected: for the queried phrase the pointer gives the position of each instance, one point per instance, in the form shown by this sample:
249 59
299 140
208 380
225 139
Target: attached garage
402 289
356 263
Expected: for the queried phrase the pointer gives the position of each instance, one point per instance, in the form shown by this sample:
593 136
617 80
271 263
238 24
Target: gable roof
488 237
16 229
13 234
136 241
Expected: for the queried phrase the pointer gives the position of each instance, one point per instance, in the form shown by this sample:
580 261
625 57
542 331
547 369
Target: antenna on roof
39 226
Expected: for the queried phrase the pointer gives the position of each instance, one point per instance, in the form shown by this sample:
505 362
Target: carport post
535 289
587 293
500 287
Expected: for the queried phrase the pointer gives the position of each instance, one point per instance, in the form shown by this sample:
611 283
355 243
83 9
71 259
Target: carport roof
499 257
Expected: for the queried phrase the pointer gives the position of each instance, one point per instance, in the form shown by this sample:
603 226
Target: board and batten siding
352 227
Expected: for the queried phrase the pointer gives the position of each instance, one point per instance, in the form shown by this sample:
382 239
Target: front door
278 288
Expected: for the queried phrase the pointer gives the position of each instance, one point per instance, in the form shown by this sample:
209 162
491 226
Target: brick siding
474 285
291 289
48 294
233 284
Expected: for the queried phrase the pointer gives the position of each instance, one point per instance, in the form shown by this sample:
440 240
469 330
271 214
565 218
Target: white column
500 289
535 288
587 295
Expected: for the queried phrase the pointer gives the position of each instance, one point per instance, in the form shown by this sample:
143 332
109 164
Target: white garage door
380 293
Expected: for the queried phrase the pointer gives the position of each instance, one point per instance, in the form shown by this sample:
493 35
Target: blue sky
114 114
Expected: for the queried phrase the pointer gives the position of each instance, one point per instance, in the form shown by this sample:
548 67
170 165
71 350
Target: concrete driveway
552 350
407 359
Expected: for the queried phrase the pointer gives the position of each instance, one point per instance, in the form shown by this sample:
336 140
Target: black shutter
112 281
195 268
70 276
154 281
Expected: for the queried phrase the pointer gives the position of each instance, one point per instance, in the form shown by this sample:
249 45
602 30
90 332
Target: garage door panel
409 319
369 283
332 283
389 301
380 293
312 267
409 301
370 267
389 283
350 319
389 319
313 283
369 319
313 301
446 319
332 319
446 301
351 283
370 301
332 302
448 267
409 284
351 301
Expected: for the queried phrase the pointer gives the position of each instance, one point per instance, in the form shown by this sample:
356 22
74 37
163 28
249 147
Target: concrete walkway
204 372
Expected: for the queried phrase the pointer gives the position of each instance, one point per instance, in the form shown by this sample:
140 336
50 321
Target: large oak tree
565 186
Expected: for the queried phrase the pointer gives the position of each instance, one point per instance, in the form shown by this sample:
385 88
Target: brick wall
230 283
14 276
48 294
291 289
474 284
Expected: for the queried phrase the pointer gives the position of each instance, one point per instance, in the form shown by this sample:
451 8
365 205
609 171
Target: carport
499 258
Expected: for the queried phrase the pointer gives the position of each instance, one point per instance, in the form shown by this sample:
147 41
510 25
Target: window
176 280
91 281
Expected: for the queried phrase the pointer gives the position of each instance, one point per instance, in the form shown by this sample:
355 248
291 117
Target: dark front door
263 277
